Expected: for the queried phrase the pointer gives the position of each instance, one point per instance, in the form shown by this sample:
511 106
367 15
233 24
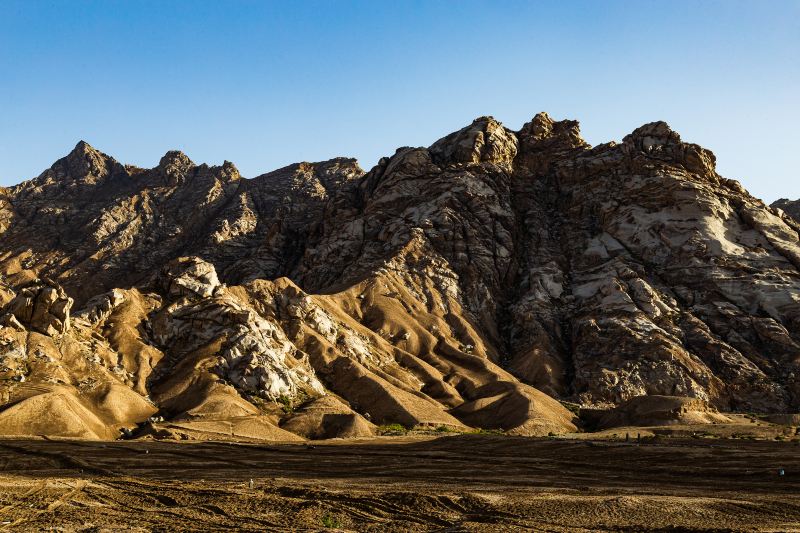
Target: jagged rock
101 306
454 285
190 276
658 140
485 140
43 307
10 321
175 166
790 207
252 352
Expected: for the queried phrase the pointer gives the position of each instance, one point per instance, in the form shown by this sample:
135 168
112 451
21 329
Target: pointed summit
83 147
82 152
652 135
83 164
174 166
175 157
485 140
658 140
544 132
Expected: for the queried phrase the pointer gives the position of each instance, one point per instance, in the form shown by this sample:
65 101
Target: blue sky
265 84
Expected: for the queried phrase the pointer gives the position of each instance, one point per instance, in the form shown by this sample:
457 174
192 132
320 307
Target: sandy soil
454 483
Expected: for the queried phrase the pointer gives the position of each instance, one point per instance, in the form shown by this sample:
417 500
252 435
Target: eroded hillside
471 284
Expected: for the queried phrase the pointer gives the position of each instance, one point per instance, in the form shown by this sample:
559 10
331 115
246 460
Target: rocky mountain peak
229 166
175 165
314 179
334 172
544 133
540 127
651 136
457 285
84 164
790 207
175 158
229 172
81 149
658 140
484 141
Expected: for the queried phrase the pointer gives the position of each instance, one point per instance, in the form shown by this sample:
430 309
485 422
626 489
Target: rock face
250 352
43 307
469 284
791 207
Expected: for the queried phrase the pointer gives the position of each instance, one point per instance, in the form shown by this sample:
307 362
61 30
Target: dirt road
458 483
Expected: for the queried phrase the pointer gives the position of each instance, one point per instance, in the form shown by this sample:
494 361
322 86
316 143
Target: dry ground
454 483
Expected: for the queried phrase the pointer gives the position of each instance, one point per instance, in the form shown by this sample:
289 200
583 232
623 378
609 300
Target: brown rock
43 307
661 411
454 285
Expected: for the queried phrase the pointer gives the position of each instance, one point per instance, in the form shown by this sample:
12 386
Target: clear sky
265 84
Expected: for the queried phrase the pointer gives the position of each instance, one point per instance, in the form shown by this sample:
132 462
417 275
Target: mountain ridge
465 284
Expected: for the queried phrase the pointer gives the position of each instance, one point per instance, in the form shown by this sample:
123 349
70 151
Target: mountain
470 284
791 207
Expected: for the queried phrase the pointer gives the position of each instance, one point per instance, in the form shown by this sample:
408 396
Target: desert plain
627 479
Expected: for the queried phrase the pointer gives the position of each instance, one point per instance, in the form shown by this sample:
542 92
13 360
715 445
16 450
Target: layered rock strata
470 284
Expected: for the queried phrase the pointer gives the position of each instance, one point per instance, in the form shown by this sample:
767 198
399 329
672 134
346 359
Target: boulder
43 307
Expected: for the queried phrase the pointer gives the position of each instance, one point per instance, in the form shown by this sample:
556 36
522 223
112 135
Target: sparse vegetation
481 431
574 408
287 405
392 429
331 521
259 402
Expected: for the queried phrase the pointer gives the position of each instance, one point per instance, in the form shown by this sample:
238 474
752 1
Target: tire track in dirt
449 484
60 460
58 502
35 490
154 498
